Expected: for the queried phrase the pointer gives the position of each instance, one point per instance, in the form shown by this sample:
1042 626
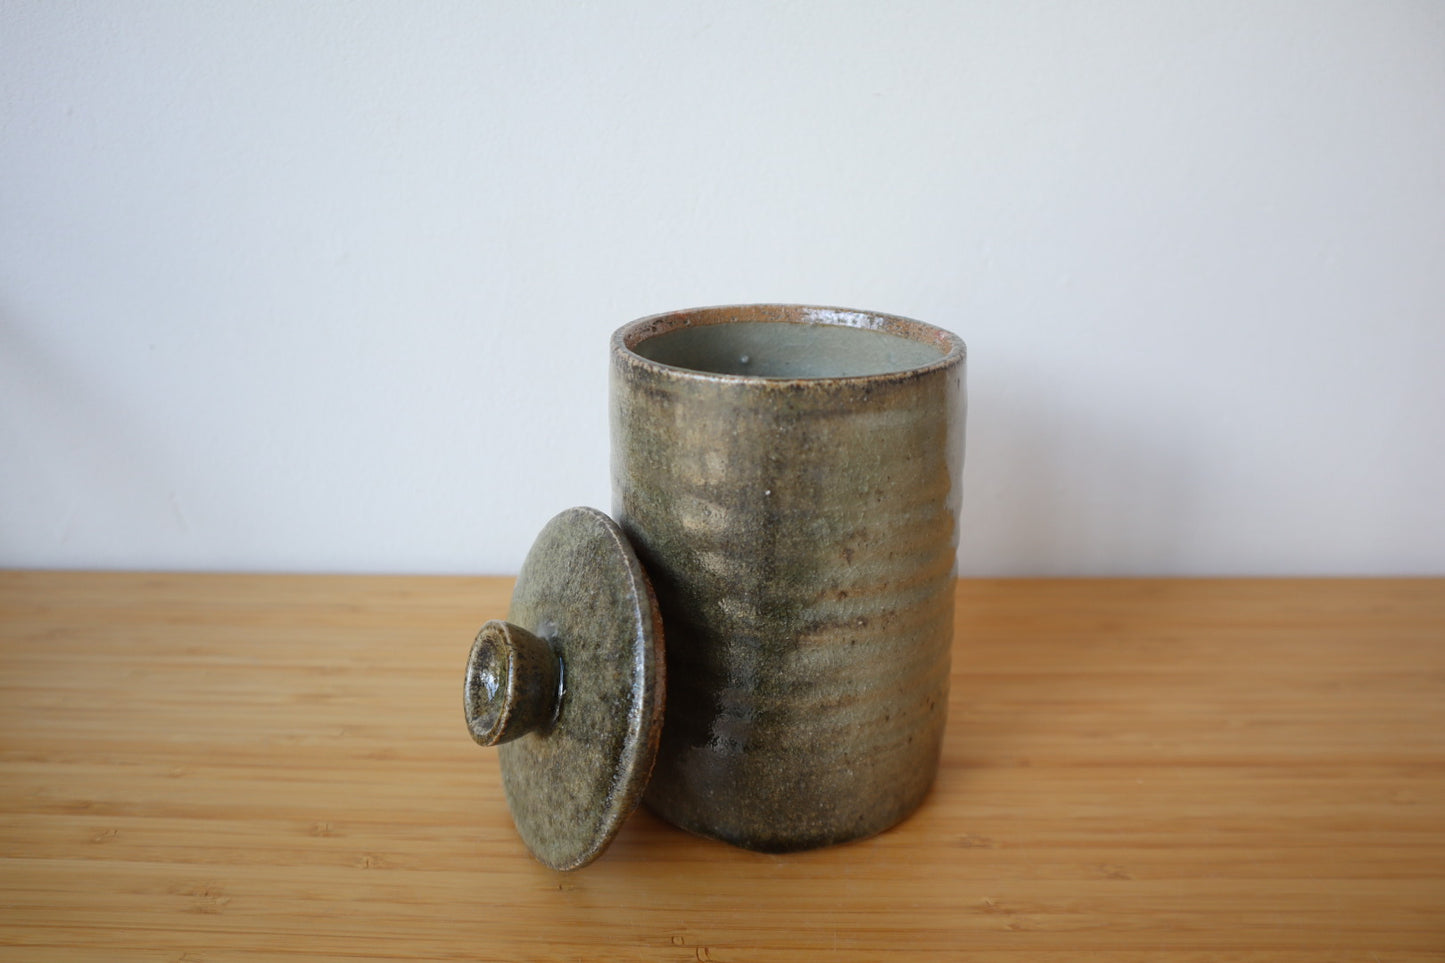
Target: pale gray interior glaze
779 349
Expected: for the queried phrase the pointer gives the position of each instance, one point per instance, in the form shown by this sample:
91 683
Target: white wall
328 286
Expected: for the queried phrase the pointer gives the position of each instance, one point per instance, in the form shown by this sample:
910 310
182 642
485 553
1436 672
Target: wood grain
206 767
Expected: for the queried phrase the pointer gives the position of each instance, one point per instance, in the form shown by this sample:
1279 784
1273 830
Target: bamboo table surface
211 767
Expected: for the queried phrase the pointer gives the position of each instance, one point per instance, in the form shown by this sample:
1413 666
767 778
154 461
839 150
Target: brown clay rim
630 335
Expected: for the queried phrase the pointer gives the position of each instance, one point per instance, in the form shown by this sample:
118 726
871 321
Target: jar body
800 528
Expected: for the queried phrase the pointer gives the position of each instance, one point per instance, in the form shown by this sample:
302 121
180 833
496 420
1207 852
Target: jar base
886 817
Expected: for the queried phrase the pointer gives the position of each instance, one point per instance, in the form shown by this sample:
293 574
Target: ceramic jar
789 478
759 645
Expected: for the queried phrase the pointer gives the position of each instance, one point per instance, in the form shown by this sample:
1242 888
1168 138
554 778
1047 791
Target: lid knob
512 685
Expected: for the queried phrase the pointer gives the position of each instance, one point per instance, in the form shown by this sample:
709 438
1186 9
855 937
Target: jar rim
626 339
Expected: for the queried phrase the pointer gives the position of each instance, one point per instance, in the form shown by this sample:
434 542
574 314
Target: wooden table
204 767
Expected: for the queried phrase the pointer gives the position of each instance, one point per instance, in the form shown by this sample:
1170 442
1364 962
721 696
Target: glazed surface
800 535
572 782
780 349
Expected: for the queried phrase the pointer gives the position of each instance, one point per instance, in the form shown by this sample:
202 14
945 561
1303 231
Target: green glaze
789 477
571 687
513 684
778 349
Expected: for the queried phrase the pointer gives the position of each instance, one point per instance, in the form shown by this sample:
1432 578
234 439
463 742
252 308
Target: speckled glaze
795 503
513 683
571 688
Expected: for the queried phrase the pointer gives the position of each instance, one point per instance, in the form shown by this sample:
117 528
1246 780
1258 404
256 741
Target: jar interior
780 349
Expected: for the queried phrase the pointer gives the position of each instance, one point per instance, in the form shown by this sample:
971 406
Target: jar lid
571 688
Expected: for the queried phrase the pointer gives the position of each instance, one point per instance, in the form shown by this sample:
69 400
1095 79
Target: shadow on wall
1086 487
